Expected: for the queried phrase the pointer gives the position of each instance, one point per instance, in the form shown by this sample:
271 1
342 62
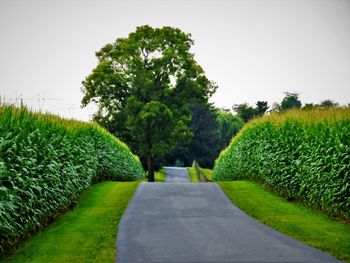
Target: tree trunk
150 159
150 167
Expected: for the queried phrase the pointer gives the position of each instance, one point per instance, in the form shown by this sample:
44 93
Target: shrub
46 162
302 155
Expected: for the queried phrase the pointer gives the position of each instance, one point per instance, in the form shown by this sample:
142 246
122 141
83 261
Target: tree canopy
328 104
290 101
247 112
204 147
261 108
229 125
143 85
244 111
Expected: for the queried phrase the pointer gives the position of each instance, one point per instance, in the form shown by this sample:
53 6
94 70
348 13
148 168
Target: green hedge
302 155
46 162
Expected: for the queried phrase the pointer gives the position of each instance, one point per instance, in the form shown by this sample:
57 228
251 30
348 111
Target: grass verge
85 234
311 227
160 175
206 172
193 175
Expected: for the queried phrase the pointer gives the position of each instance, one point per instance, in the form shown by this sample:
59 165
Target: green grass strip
85 234
160 175
193 175
206 172
311 227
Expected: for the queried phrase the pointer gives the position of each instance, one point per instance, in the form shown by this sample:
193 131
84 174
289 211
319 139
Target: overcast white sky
254 50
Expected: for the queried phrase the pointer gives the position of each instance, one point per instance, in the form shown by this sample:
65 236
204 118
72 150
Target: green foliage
85 234
302 155
205 144
247 112
294 219
261 108
290 101
244 111
144 85
328 104
212 129
46 162
228 125
324 104
309 106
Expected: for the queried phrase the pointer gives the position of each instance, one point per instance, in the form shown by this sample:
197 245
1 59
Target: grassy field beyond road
86 234
295 220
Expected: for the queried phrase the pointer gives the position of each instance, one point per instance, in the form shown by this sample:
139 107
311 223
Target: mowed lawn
85 234
302 223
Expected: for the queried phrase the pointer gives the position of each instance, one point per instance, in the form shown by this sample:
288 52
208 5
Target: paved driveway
196 222
176 175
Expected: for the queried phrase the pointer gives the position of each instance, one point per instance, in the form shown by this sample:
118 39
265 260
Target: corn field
301 155
46 162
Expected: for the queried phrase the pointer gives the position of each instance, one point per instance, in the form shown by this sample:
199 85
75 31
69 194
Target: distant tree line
291 100
213 128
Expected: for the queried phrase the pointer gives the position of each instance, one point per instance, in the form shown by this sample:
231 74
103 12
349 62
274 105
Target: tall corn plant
302 155
46 162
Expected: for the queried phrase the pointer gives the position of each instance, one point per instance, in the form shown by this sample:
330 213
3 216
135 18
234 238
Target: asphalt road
196 222
176 175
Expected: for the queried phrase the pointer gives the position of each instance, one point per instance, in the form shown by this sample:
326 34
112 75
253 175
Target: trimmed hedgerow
302 155
46 162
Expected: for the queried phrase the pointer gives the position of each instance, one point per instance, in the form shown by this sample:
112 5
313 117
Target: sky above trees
253 50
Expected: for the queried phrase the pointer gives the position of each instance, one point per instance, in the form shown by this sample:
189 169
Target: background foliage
229 125
205 144
212 130
46 162
302 155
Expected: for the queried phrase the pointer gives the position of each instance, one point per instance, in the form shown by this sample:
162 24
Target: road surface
195 222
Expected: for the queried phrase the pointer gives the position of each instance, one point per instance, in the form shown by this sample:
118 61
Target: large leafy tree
143 85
